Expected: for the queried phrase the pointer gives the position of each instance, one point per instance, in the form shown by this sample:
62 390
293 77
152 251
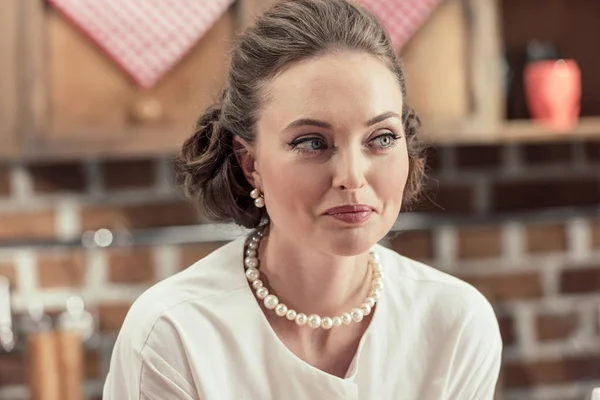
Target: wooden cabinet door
90 106
454 70
9 77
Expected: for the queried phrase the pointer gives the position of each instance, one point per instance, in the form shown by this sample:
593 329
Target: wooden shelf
516 131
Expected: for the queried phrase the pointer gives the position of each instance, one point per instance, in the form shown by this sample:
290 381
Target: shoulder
456 318
448 299
150 346
215 275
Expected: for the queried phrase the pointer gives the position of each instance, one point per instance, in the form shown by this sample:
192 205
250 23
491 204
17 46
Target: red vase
553 92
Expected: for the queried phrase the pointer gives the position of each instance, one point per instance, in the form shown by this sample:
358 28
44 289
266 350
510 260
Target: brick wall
492 220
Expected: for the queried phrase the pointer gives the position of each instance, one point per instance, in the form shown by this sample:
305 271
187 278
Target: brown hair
290 31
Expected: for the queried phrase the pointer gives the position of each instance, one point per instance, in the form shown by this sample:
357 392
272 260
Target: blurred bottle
42 354
7 336
74 326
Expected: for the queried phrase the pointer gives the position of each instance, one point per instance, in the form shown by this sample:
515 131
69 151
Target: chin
349 242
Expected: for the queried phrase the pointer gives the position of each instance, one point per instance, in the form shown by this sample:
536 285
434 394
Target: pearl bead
357 315
375 257
346 318
252 274
251 253
337 321
271 301
255 193
260 202
301 319
377 285
253 245
326 323
262 292
374 290
257 284
256 238
375 295
291 315
366 309
281 309
251 262
370 301
314 321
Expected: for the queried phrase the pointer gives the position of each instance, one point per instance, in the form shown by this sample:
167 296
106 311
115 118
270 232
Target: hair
207 168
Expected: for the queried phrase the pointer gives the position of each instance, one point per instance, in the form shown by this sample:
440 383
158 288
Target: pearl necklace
314 321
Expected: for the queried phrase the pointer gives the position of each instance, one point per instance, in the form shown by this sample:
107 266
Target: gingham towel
401 18
145 37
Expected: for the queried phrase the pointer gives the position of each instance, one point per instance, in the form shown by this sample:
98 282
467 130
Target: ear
245 155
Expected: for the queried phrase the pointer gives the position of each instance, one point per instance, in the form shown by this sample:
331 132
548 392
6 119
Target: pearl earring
259 200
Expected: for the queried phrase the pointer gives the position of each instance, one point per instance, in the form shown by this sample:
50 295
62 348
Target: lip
349 208
351 213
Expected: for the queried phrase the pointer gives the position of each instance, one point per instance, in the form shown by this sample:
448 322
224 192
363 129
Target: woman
313 147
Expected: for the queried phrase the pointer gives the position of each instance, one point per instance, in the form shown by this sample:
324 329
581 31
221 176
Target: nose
350 168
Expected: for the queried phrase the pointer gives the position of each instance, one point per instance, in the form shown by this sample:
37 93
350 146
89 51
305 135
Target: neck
310 281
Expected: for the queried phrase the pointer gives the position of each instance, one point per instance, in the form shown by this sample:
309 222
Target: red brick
7 270
127 174
580 280
592 151
27 224
61 269
479 242
138 216
497 287
192 253
111 316
552 372
63 177
478 156
543 238
4 180
417 245
595 234
526 195
13 369
507 330
132 265
447 198
556 326
547 153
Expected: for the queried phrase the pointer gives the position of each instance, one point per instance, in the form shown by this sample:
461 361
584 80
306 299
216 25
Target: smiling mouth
351 214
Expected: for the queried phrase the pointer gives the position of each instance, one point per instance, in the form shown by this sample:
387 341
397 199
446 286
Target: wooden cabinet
9 76
66 98
454 70
82 103
61 96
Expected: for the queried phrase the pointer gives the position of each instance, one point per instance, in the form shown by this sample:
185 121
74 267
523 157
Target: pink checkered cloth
401 18
145 37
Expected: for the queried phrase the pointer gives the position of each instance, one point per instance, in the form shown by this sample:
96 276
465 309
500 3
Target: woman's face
330 135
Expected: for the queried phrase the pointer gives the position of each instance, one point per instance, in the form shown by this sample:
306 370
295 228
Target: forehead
341 88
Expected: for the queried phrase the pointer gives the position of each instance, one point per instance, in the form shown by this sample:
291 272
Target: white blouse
201 334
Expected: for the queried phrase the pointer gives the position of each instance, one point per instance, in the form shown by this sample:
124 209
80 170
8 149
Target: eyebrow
327 125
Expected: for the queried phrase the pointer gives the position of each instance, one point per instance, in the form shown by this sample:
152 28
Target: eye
310 144
385 140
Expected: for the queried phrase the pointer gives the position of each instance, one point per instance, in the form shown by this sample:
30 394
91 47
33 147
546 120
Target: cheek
289 184
391 185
